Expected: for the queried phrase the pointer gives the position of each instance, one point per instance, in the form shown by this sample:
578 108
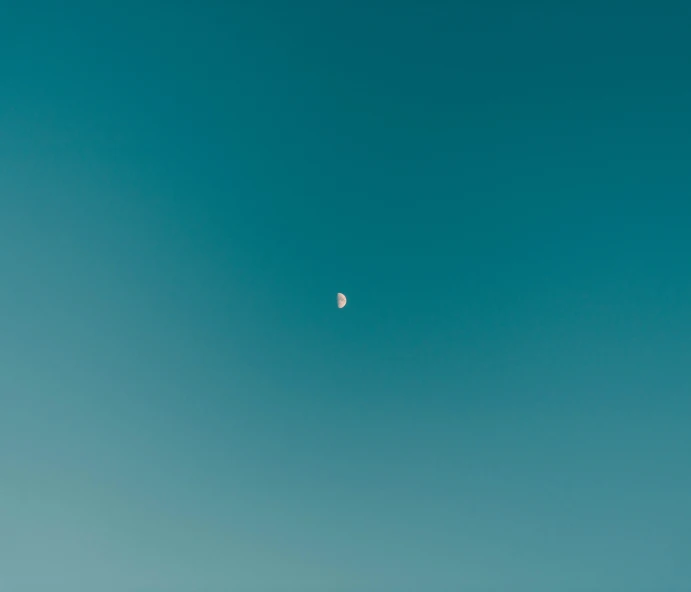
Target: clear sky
503 192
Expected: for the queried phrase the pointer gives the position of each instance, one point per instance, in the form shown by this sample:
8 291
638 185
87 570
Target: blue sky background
501 189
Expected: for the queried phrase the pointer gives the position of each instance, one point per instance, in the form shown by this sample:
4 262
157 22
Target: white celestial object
340 300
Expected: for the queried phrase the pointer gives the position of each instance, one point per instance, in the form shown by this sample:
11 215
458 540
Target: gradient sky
503 192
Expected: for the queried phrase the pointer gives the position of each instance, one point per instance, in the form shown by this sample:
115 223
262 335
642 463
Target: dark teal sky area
503 192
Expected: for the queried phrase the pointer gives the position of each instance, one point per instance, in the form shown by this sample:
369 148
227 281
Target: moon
340 300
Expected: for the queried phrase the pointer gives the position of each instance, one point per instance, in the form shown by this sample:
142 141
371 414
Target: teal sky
503 192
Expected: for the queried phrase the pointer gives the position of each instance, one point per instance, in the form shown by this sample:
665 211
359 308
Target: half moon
340 300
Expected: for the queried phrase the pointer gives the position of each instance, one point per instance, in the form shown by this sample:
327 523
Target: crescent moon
340 300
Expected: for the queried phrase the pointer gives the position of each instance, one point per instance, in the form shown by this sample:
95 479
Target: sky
500 189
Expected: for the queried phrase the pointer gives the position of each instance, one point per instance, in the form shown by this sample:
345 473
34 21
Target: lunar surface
341 300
